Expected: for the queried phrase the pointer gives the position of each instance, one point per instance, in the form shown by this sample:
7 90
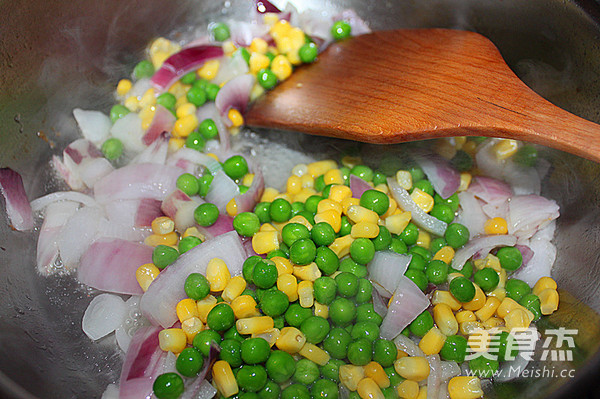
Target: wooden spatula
405 85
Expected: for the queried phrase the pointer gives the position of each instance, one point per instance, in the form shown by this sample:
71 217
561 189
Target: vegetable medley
355 279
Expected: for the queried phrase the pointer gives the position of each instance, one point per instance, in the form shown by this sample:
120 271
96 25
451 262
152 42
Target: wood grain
406 85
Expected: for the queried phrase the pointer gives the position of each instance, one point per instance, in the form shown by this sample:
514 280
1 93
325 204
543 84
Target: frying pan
56 55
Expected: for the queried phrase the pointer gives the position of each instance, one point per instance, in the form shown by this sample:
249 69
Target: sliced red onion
236 65
379 304
317 25
104 314
498 209
526 253
79 151
129 130
246 202
511 369
156 152
94 125
163 121
133 213
419 217
180 207
210 111
434 379
387 268
357 25
540 264
224 224
523 179
405 344
490 190
93 170
182 62
70 176
73 196
471 214
77 235
200 388
358 186
188 159
18 208
137 181
529 213
159 301
546 232
265 6
56 215
222 190
110 265
133 321
235 94
449 369
247 244
408 302
444 178
482 245
111 392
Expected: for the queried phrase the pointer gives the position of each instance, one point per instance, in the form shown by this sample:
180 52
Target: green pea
248 267
311 204
233 334
452 201
437 272
168 386
418 277
345 171
394 378
274 303
325 289
437 244
315 329
303 251
117 112
266 78
203 340
322 234
306 372
365 329
292 232
262 211
264 274
454 348
280 366
246 224
532 303
466 271
462 289
421 324
212 89
196 96
487 279
324 389
143 69
397 245
483 367
360 351
346 227
326 260
188 78
389 393
423 252
331 369
308 53
362 171
188 184
347 284
443 212
243 189
510 258
220 31
365 291
204 184
255 350
187 243
410 234
350 266
527 155
310 217
425 186
383 239
235 167
271 390
416 173
319 183
189 362
365 312
112 148
336 343
244 53
296 314
196 286
417 262
280 210
251 378
379 178
163 256
342 311
297 207
195 141
220 318
231 352
251 292
507 346
208 129
456 235
362 250
277 252
376 201
384 352
462 161
295 391
206 214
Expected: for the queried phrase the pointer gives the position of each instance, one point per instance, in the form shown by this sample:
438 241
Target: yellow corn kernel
423 239
495 225
502 279
146 274
294 185
364 229
467 328
415 368
209 70
270 336
181 101
445 148
327 205
441 296
235 117
505 148
185 109
169 239
392 207
341 245
350 375
265 241
479 340
304 194
234 288
161 49
489 309
404 179
254 325
231 208
478 300
258 61
193 232
290 340
306 296
229 48
408 389
224 379
445 254
348 202
281 67
283 265
179 90
397 223
492 322
314 353
258 45
542 284
422 199
244 306
175 143
297 37
132 104
267 227
191 327
357 213
433 341
333 176
517 318
499 293
331 217
401 354
321 310
269 194
464 387
444 318
270 19
339 193
375 371
186 308
217 274
308 181
465 316
301 220
548 301
148 100
368 389
123 87
205 306
506 306
288 284
310 272
184 126
383 188
318 168
465 181
172 340
469 147
280 28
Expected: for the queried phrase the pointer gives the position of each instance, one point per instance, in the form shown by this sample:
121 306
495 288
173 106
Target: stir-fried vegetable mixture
355 279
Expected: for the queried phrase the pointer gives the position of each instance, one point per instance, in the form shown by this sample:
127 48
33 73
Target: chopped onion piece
222 190
511 369
265 6
235 94
407 345
18 208
434 378
471 214
444 178
407 303
481 245
162 122
94 125
540 264
449 369
129 130
358 186
387 269
246 202
104 314
490 190
78 234
529 213
74 196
